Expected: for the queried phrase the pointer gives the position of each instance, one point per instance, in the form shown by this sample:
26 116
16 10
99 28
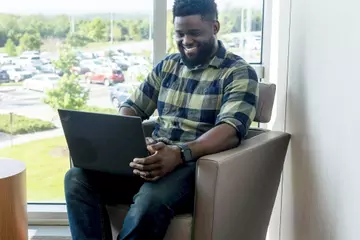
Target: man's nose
187 40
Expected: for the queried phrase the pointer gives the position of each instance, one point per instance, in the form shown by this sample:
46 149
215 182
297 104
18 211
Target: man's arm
127 111
218 139
237 112
143 101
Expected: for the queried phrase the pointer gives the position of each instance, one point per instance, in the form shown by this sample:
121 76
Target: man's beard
205 51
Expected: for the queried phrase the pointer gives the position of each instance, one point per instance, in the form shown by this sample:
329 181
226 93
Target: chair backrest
265 103
263 112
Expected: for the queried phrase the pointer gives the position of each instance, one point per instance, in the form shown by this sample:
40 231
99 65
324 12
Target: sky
96 6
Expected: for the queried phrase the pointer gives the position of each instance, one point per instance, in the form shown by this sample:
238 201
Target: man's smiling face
195 38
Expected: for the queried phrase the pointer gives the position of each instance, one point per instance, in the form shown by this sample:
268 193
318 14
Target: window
241 25
135 36
98 35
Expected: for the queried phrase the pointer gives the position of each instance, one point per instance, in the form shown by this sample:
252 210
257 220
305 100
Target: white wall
321 194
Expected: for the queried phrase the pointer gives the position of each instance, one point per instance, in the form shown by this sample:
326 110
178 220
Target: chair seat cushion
179 229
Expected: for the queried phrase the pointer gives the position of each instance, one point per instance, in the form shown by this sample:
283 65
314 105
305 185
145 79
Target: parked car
32 60
85 66
26 53
16 73
120 92
122 62
33 70
4 76
41 82
105 75
4 59
138 70
49 68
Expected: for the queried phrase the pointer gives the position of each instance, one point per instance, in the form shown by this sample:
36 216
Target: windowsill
47 214
49 232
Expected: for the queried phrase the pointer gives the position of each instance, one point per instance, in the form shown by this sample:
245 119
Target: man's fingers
148 160
150 149
148 167
148 174
150 141
156 147
150 179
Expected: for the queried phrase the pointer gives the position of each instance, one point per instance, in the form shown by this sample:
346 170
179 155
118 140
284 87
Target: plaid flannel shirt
192 101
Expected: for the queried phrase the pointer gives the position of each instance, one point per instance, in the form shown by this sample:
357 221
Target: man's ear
216 27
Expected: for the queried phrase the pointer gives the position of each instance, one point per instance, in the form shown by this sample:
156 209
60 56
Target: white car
4 59
16 73
32 60
42 82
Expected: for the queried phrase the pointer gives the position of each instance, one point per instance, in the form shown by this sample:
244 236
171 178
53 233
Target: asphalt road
29 103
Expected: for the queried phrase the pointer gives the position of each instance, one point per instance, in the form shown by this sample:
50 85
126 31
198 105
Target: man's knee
148 201
73 179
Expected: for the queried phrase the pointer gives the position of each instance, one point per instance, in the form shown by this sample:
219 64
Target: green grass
254 124
100 110
11 84
46 162
22 125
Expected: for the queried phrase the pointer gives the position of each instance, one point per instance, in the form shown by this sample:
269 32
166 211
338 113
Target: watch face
187 154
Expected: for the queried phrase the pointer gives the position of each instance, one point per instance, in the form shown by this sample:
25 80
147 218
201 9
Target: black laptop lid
103 142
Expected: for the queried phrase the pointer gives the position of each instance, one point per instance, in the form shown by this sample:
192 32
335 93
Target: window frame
55 213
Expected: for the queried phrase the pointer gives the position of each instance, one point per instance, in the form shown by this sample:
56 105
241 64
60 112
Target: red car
106 76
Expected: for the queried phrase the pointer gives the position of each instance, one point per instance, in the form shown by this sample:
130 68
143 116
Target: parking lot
29 103
97 72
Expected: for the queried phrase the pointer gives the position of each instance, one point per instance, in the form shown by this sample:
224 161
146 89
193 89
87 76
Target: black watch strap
186 153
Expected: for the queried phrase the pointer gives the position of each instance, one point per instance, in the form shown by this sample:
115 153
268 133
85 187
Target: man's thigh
175 190
111 188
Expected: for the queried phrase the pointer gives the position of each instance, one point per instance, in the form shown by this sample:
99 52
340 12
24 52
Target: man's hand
163 160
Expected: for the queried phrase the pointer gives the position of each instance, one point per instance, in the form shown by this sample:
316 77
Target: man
206 99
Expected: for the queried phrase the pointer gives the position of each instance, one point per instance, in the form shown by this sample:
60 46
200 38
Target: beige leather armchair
235 189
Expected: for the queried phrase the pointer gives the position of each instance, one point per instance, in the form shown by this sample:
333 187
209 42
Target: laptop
103 142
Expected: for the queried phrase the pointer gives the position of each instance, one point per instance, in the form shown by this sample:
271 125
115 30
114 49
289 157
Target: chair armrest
236 189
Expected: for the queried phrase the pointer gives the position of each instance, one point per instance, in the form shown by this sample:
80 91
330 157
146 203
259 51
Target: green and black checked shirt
192 101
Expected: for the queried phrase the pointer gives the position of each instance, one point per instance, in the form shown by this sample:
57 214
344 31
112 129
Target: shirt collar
217 60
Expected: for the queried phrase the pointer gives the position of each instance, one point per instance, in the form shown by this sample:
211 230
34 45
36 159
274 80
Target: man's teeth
190 50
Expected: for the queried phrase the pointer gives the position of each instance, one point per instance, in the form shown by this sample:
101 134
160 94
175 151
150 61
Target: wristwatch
186 153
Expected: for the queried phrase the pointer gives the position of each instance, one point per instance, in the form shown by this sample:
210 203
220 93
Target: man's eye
179 35
195 33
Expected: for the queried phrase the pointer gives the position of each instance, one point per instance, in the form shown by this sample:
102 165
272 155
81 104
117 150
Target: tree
142 75
134 31
97 29
118 33
10 48
60 26
66 60
30 42
69 94
77 40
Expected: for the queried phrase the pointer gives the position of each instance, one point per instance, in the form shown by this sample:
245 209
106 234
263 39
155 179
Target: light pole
112 27
72 24
150 25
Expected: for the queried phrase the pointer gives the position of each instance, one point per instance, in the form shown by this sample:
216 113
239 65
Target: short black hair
207 9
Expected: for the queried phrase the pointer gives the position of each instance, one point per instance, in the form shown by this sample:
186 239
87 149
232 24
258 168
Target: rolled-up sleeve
240 98
144 99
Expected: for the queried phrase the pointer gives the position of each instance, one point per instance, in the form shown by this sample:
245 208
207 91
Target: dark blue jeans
152 204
